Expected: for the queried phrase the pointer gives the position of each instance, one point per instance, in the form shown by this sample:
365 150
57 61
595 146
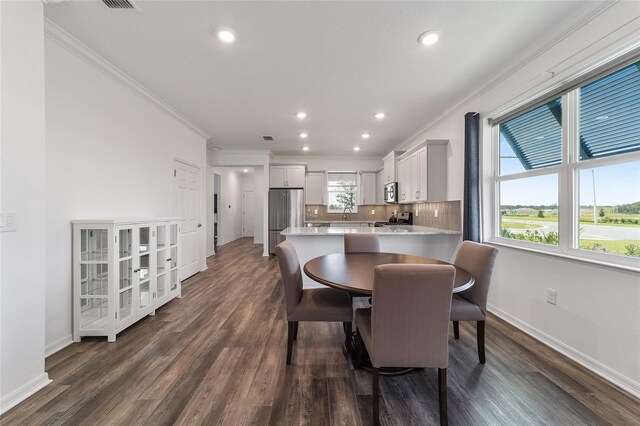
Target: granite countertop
384 230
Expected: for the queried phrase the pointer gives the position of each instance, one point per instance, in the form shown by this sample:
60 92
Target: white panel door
186 205
247 214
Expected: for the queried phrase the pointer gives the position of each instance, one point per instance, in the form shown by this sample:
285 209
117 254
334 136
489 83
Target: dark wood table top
354 271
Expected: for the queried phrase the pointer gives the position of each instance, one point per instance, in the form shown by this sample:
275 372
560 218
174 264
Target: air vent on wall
120 4
267 138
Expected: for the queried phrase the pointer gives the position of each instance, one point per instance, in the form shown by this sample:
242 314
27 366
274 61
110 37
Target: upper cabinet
389 168
422 173
315 188
380 187
287 176
368 188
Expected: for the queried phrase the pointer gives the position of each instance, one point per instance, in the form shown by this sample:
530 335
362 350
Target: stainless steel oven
391 192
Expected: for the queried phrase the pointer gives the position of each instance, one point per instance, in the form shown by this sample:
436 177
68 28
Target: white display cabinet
123 270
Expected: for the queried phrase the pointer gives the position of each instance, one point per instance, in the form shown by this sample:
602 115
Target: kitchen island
423 241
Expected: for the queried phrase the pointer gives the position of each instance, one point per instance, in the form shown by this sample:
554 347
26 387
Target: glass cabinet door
144 265
162 244
173 257
125 273
94 278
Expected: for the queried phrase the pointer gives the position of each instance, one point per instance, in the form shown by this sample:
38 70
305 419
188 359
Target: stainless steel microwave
391 192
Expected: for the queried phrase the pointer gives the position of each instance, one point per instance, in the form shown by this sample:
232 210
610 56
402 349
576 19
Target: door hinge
116 314
175 172
116 238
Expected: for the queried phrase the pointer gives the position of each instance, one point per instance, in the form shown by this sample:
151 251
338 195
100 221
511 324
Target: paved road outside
589 232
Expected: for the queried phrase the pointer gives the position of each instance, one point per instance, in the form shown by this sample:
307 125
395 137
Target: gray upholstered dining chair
318 304
361 243
471 305
408 323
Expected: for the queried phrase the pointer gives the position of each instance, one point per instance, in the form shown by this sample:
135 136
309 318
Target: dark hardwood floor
217 356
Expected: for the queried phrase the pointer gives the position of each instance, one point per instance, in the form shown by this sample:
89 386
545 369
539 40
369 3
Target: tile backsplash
424 214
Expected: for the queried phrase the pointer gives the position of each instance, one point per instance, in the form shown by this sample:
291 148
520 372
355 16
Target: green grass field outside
611 246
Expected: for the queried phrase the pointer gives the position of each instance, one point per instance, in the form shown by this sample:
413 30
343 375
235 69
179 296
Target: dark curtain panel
471 214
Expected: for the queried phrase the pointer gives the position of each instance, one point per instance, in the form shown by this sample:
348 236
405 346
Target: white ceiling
339 61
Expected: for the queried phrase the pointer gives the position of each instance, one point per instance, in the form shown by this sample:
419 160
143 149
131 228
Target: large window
342 190
567 172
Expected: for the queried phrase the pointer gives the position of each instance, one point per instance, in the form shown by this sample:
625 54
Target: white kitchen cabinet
287 176
315 188
403 183
380 187
123 270
422 173
389 169
367 188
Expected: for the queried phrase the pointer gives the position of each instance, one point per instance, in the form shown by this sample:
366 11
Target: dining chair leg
290 333
442 396
295 330
480 337
359 350
456 329
376 395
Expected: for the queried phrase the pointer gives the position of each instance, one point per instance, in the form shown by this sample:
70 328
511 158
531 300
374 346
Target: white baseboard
24 392
59 344
587 362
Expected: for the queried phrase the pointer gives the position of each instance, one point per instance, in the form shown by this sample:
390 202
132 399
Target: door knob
199 225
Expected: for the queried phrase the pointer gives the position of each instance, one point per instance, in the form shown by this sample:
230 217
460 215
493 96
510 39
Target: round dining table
353 272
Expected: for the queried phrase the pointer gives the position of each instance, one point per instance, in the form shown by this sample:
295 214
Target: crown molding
56 34
407 142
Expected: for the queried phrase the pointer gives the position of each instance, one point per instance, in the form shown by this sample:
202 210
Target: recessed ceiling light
246 170
379 115
301 115
226 34
304 135
305 148
365 136
356 148
428 38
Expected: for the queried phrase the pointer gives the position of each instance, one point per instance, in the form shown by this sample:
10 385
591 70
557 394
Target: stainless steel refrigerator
286 208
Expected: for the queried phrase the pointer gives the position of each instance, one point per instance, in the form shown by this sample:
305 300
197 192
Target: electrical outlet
315 211
373 212
435 212
8 221
551 296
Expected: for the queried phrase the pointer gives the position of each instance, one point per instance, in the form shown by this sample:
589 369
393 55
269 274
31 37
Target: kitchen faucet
344 213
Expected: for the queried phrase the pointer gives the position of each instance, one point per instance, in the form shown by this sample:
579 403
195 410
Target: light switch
373 211
8 222
315 211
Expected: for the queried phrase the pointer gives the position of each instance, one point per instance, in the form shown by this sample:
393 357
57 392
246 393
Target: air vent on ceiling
120 4
267 138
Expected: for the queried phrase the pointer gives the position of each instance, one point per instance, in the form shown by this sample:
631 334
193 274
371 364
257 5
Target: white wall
248 182
597 317
22 277
109 152
229 205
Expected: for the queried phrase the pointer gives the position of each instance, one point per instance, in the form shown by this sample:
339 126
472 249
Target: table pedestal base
366 361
